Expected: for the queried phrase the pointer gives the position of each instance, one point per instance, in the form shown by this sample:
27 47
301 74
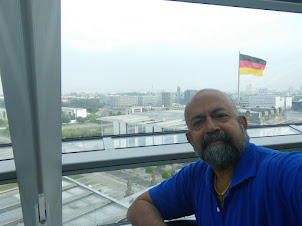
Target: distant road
104 112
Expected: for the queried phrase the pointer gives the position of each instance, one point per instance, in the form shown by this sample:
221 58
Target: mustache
215 136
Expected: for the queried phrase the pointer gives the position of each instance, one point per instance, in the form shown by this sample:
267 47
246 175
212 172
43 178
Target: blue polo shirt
266 189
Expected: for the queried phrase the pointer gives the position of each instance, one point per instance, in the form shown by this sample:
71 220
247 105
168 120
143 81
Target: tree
173 169
149 170
92 110
93 118
83 103
3 122
2 103
166 174
80 132
111 113
65 118
80 120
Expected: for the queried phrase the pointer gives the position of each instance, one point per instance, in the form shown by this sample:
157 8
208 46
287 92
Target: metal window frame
123 158
293 6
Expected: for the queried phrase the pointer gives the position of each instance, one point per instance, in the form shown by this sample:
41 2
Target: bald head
206 97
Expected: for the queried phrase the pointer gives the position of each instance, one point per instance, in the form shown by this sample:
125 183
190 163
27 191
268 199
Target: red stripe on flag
248 64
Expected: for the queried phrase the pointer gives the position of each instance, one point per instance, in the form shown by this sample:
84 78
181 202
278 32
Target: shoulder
197 166
267 155
187 175
262 152
194 169
286 162
276 158
277 164
274 163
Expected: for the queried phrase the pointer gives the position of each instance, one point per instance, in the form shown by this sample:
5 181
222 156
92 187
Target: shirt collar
245 168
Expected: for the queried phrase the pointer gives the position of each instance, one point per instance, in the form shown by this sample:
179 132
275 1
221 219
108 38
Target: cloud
169 43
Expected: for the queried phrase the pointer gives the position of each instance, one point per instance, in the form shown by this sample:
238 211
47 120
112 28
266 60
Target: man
234 183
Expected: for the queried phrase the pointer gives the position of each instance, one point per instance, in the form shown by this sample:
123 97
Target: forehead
207 102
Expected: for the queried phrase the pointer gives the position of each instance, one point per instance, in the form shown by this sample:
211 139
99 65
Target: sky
111 46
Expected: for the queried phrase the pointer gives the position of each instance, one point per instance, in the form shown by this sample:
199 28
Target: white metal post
30 65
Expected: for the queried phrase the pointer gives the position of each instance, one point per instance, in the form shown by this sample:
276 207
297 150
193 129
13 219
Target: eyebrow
197 117
217 110
212 112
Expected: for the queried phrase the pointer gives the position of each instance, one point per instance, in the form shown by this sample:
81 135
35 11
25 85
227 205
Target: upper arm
174 197
145 197
142 211
288 180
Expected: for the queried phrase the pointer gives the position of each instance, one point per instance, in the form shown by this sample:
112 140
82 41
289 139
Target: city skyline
291 88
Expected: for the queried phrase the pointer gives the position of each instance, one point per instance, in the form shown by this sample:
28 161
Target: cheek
197 138
237 136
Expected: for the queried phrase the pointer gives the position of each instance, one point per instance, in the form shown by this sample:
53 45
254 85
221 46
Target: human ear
189 138
243 121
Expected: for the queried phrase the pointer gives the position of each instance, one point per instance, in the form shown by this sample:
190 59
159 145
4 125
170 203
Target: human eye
197 123
221 116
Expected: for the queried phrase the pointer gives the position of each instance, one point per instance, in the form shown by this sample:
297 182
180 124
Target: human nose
211 125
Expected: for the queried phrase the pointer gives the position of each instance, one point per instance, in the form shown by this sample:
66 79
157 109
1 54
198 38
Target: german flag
249 65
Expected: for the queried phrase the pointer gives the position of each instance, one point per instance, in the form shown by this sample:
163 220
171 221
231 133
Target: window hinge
42 208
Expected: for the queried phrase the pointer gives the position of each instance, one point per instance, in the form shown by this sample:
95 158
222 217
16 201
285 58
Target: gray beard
222 155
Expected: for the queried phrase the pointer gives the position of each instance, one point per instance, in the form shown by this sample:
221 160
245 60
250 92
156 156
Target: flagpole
239 81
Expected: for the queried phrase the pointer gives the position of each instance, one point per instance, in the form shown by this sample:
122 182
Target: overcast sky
145 45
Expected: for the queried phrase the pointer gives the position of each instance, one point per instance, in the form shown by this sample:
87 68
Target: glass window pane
139 141
299 127
126 71
84 145
6 153
273 131
10 205
103 197
4 126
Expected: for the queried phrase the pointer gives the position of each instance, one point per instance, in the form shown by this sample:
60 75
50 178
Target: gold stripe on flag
251 71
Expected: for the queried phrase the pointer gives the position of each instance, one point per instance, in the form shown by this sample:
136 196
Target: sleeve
173 197
288 177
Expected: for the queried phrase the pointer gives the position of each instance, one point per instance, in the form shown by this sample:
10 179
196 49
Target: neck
224 177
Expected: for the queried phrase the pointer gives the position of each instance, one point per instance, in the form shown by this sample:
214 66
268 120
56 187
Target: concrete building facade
74 112
188 94
132 110
270 101
147 101
166 99
122 100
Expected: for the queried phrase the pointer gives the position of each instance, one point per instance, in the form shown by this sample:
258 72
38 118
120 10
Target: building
103 99
166 99
121 100
74 112
178 98
188 94
147 100
147 122
297 105
288 102
131 110
269 101
3 114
